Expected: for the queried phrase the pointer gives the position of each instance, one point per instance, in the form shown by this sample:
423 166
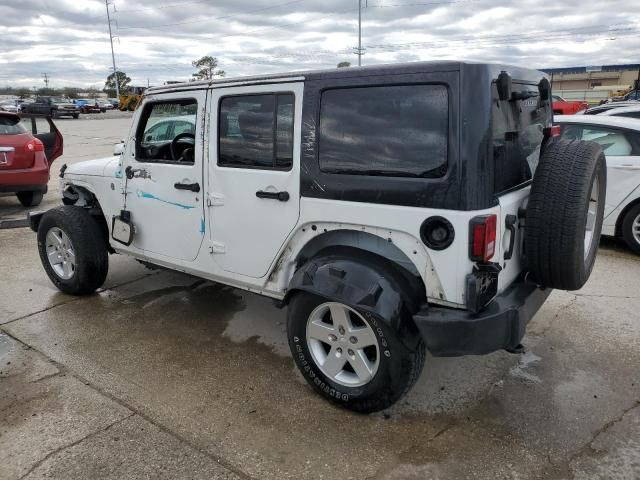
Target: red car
28 146
566 107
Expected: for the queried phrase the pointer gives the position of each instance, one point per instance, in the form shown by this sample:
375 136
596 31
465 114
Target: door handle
194 187
282 196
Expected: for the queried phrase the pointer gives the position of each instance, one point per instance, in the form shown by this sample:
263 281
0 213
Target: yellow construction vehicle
131 100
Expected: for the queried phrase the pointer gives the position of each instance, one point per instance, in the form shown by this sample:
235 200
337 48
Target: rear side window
517 127
397 130
11 126
256 131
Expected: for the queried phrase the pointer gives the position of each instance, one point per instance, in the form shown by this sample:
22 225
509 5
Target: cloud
157 39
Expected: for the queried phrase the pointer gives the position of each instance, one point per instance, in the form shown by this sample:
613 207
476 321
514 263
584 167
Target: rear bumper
23 188
501 325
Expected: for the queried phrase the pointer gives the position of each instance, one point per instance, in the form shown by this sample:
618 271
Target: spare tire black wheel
565 212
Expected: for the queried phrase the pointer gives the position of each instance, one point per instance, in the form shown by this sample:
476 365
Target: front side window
256 131
166 132
399 130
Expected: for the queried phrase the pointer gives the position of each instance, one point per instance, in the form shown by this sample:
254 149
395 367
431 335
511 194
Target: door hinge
216 247
215 199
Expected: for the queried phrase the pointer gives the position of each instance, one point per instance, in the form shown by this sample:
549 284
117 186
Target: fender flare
366 282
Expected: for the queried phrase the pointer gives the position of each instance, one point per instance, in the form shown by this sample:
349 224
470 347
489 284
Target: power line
224 17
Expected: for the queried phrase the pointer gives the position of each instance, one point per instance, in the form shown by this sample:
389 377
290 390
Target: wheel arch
623 213
366 281
83 196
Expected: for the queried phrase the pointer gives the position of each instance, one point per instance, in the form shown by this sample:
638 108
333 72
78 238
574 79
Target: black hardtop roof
475 68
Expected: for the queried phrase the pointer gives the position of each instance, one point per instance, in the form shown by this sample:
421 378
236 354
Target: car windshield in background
11 126
389 130
60 100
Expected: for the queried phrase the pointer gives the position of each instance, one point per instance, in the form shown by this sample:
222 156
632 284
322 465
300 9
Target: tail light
482 243
552 131
34 145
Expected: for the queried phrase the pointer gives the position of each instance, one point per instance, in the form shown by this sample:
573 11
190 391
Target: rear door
46 131
517 137
254 174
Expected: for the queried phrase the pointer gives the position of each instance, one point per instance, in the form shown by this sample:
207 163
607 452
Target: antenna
45 77
113 57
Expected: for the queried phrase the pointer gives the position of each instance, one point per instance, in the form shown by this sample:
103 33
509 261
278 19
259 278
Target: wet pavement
204 371
163 375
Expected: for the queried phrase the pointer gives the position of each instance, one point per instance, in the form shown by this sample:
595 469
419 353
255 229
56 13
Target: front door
163 174
254 174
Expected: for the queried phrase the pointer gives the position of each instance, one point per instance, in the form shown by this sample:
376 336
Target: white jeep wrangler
393 209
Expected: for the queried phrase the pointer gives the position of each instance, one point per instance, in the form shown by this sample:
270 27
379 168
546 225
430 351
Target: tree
344 64
206 68
110 84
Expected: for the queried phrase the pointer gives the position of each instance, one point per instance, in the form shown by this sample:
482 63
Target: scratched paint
151 196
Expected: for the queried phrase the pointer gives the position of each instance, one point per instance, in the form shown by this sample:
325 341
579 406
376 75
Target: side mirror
118 148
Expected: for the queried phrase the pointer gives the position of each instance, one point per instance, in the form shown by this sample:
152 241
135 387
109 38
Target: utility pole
359 50
46 82
113 57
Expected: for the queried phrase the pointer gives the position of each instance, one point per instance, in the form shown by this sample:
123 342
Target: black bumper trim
448 332
23 188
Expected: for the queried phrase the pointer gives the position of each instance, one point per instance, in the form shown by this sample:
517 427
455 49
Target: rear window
517 130
11 126
399 130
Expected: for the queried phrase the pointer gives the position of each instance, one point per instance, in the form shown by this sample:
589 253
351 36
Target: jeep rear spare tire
565 212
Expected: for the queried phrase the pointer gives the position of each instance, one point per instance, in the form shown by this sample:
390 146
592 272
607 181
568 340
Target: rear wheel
30 199
631 228
351 357
564 214
73 250
76 116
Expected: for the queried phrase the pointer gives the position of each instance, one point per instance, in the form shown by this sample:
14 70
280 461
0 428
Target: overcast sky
157 39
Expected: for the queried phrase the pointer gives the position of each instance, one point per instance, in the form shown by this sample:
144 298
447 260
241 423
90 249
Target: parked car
52 106
87 105
105 105
567 107
620 141
114 101
605 107
381 213
27 150
8 107
629 112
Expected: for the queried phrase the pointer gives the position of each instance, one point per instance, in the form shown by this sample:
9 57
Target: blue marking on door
142 194
202 225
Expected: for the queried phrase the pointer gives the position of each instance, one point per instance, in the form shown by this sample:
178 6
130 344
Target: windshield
11 126
60 100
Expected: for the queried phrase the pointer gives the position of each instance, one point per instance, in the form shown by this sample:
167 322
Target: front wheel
350 357
631 228
76 116
73 250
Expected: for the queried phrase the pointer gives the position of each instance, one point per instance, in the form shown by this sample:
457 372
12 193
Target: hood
101 167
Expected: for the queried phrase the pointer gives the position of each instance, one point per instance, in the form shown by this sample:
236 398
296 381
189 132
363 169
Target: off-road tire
398 370
91 255
556 216
30 199
633 215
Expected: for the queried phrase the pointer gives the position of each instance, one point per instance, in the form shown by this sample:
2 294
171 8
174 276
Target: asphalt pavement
163 375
